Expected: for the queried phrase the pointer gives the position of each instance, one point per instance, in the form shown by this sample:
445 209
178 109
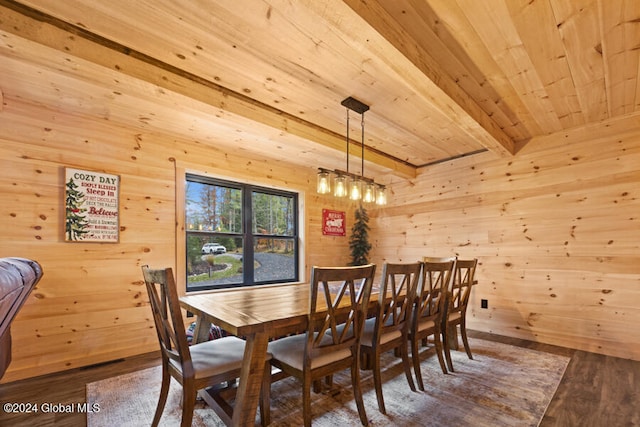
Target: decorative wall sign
91 202
333 223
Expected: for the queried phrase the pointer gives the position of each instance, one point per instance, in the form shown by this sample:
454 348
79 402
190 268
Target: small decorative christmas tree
75 224
359 239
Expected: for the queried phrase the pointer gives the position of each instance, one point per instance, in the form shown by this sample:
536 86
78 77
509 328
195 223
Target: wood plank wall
556 230
91 305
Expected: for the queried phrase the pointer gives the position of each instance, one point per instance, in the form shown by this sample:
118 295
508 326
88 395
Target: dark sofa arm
18 277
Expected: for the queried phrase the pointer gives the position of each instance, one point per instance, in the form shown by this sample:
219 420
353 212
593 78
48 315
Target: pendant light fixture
345 183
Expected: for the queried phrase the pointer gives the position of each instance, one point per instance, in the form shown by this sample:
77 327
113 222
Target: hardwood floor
66 388
595 391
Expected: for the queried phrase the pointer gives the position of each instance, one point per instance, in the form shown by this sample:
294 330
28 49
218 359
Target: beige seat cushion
426 324
290 350
367 334
454 316
216 357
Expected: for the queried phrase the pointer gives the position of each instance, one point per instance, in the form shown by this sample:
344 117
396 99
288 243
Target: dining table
257 314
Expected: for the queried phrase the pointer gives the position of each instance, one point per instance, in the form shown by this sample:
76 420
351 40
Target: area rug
502 386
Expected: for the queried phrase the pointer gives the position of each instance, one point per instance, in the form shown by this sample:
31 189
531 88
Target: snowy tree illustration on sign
76 223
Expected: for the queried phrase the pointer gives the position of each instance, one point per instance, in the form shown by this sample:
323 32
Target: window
239 234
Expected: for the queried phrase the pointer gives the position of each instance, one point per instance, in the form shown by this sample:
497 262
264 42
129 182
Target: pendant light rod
354 105
347 140
362 147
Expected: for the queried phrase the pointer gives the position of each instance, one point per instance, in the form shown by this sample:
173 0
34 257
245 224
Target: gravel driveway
270 267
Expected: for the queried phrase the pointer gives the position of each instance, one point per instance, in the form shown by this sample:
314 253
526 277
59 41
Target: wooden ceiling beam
70 40
414 63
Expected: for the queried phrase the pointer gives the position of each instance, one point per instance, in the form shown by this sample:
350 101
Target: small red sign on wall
333 223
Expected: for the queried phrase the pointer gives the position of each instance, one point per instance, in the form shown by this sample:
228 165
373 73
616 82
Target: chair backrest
439 259
165 306
437 275
464 277
339 301
395 301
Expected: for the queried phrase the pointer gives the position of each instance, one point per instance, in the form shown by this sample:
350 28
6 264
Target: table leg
201 331
248 394
452 333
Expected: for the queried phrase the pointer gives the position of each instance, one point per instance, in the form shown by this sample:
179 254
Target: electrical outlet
484 303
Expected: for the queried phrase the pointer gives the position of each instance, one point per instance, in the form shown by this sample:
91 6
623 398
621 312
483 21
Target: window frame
247 233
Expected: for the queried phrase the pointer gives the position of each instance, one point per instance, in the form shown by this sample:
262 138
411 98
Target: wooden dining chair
338 304
389 328
196 367
456 307
429 310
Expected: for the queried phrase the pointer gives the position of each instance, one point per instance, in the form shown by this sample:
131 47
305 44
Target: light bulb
340 186
324 182
355 189
369 195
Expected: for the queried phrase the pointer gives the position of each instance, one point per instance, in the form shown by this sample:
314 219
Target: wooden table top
247 310
276 309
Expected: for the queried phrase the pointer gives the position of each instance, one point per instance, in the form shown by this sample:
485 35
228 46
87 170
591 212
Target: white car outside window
213 248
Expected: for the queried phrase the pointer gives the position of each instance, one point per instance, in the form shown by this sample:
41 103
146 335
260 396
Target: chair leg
189 394
329 380
357 391
447 348
438 344
365 361
162 400
265 396
465 340
415 355
377 380
306 401
404 353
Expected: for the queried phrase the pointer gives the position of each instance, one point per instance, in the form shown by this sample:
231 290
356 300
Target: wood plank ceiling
443 78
